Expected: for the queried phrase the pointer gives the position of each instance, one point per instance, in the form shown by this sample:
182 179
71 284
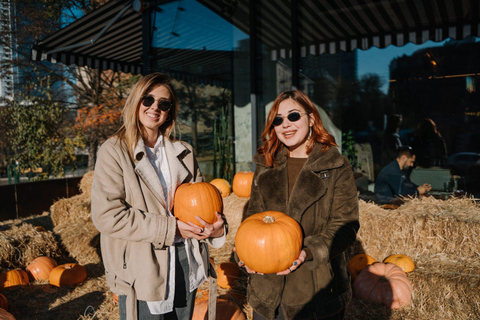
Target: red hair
271 143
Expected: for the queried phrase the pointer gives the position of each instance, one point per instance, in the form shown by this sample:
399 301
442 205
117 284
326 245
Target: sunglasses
163 104
292 117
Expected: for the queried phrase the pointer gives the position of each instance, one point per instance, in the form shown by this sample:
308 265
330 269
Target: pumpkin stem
269 219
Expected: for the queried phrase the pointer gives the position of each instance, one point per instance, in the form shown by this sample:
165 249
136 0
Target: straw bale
21 244
85 184
421 227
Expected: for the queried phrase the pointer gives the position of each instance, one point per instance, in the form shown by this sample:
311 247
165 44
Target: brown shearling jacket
324 202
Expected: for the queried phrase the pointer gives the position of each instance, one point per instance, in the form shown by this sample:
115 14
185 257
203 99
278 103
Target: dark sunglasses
163 104
292 117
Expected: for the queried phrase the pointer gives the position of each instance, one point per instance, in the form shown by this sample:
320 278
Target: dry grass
441 237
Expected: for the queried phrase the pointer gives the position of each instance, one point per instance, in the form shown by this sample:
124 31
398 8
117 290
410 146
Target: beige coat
128 208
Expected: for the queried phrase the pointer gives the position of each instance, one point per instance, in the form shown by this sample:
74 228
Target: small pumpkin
40 268
268 242
223 186
383 283
201 199
115 298
242 183
358 262
68 274
40 229
404 262
3 302
227 274
225 310
5 315
13 278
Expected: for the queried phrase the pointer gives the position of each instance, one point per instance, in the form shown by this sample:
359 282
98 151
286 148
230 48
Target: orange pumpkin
358 262
40 268
404 262
3 302
227 274
383 283
223 186
242 183
201 199
268 242
115 298
13 278
68 274
4 315
40 229
225 310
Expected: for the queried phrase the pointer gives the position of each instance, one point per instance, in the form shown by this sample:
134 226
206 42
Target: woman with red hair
299 171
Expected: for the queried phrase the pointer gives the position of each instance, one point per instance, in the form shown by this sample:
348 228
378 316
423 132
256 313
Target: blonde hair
132 128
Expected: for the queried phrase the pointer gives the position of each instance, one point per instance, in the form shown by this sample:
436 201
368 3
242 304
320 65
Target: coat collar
311 182
175 151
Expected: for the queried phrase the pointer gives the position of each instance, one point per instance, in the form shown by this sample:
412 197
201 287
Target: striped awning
111 36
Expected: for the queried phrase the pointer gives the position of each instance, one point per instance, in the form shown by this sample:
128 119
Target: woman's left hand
295 264
209 230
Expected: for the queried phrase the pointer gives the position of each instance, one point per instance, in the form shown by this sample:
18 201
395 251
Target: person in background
300 172
429 145
392 182
391 139
153 261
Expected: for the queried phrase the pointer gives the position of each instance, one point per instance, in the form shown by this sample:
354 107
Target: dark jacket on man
392 182
324 202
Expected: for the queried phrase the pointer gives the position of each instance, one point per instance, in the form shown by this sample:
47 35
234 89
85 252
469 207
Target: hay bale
86 182
21 244
421 227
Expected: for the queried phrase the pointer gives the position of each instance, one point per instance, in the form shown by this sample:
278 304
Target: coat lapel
175 153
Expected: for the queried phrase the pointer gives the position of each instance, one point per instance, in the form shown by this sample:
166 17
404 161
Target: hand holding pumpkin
192 230
295 265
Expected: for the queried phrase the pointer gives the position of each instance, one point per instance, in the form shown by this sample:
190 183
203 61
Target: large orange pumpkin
4 315
268 242
383 283
242 183
3 302
68 274
223 186
227 274
358 262
13 278
40 268
404 262
201 199
226 310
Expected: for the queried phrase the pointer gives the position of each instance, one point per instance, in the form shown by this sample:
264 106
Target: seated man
392 181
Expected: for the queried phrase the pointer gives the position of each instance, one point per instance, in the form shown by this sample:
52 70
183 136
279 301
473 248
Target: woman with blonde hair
300 172
153 261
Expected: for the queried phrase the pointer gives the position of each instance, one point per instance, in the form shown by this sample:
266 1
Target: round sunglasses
292 117
163 104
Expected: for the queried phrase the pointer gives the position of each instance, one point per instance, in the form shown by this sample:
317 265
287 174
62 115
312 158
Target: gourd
201 199
5 315
40 268
226 310
383 283
268 242
242 183
404 262
358 262
3 302
13 278
223 186
68 274
227 274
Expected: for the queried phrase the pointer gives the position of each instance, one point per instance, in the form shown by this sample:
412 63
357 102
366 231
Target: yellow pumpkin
13 278
242 183
359 262
201 199
227 274
40 268
68 274
223 186
268 242
404 262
